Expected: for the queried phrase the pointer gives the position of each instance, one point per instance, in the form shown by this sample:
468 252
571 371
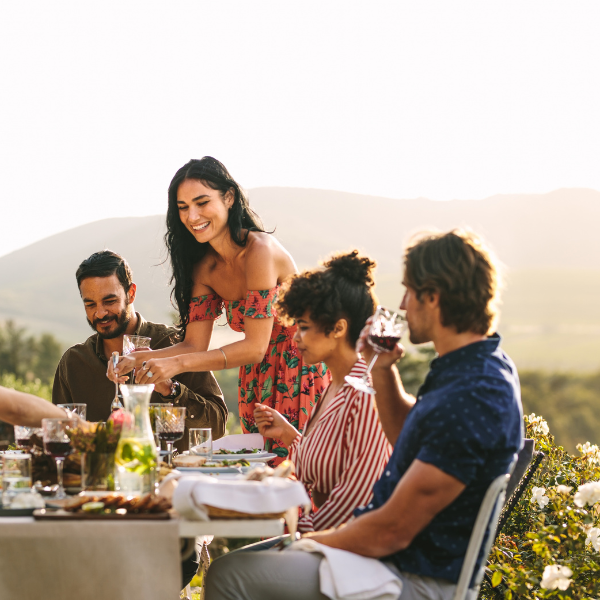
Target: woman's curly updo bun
341 289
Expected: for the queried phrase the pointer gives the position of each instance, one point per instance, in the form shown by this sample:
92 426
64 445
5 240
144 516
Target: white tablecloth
88 560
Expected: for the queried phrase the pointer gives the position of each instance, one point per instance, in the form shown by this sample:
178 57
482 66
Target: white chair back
489 513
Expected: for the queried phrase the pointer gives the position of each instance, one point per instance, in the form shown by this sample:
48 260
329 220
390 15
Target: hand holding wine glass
382 333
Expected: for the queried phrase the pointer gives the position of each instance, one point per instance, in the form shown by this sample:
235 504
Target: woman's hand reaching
272 424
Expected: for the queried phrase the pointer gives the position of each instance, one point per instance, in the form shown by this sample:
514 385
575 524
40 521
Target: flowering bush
549 547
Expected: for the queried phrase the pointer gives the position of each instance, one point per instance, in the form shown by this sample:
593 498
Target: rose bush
549 547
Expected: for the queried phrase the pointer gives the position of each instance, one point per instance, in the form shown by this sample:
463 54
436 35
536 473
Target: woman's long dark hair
184 250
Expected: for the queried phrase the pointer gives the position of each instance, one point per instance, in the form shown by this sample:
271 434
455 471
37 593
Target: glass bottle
136 455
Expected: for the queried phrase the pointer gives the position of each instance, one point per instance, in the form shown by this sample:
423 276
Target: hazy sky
100 103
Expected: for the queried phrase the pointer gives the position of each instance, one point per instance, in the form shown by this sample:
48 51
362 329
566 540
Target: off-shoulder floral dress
281 380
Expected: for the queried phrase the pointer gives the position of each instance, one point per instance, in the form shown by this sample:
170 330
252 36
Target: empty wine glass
170 425
58 445
386 330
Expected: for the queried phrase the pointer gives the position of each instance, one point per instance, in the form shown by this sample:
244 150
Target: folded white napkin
239 441
347 576
272 495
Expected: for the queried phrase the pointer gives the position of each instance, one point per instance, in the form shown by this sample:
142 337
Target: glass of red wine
170 425
386 330
58 445
23 436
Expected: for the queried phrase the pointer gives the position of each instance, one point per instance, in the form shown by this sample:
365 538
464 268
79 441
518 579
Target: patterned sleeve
260 303
365 452
206 308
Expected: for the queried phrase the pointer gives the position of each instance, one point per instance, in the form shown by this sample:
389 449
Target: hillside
548 242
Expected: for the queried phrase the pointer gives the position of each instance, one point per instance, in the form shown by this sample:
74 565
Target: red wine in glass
384 342
24 443
170 436
58 449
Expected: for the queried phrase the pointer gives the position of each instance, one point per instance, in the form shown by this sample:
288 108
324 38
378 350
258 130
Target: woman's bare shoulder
201 276
265 248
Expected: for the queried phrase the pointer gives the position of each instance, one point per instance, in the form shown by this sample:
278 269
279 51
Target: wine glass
152 409
23 436
77 409
170 425
58 445
386 330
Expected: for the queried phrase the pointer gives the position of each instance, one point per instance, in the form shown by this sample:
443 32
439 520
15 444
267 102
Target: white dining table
96 560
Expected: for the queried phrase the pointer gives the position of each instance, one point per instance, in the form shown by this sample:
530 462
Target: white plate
261 456
215 470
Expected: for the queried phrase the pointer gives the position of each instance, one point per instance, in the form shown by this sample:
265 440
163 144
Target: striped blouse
343 455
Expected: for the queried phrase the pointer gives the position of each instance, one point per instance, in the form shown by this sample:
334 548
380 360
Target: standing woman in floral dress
223 260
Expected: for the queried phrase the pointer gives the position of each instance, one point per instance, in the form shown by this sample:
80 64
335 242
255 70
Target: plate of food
199 464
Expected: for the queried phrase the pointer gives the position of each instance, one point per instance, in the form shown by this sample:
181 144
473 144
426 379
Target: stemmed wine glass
23 436
170 425
58 445
386 330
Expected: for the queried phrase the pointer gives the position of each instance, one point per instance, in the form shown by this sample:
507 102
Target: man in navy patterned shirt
461 431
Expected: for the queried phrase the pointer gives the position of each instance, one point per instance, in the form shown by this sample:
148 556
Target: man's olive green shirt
81 377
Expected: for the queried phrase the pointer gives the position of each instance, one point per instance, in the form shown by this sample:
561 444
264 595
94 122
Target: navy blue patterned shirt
468 422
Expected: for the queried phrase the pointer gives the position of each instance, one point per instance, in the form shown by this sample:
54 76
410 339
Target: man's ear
433 299
131 293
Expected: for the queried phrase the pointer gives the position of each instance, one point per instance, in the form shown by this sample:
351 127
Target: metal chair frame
482 537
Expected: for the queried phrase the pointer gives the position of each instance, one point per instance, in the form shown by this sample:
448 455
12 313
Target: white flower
537 495
563 489
588 493
539 424
556 576
592 538
591 453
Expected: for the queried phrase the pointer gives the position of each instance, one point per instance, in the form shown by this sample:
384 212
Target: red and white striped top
343 455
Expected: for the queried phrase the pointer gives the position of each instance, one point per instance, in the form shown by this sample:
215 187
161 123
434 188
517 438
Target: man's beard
122 320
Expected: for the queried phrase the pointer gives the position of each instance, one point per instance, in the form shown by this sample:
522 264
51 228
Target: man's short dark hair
459 267
105 264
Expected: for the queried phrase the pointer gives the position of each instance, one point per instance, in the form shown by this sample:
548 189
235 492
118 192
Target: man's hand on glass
385 359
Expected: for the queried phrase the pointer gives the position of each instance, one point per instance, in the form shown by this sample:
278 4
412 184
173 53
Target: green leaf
496 579
296 388
250 311
283 452
267 389
264 367
274 351
264 293
304 410
293 362
281 338
305 370
282 388
248 369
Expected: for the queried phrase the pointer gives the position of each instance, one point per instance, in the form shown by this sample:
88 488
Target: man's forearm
18 408
393 402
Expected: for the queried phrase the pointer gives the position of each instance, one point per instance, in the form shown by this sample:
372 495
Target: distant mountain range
547 241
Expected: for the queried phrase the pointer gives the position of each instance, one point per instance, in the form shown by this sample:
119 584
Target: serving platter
63 515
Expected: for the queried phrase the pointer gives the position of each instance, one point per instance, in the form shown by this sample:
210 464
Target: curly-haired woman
343 449
223 260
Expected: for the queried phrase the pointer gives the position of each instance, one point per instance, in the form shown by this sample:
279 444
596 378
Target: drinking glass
201 442
152 411
386 330
16 477
77 409
135 343
58 445
23 436
170 425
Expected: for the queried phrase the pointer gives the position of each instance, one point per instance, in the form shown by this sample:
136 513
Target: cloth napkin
272 495
239 441
347 576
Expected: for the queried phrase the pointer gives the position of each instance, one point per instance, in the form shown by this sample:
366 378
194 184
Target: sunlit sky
100 103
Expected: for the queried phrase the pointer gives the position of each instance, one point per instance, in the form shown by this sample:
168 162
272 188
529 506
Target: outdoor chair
482 537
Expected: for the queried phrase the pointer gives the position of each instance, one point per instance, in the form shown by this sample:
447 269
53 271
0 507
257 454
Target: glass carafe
136 455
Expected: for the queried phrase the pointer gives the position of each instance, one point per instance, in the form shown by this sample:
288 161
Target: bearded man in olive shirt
107 290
